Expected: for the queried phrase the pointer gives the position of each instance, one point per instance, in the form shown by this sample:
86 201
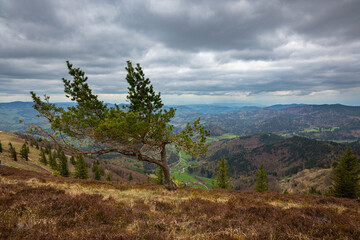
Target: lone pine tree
222 175
346 176
141 129
262 181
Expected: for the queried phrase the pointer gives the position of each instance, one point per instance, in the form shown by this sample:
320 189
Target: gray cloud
225 48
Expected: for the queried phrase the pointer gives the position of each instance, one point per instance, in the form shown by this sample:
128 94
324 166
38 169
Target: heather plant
141 129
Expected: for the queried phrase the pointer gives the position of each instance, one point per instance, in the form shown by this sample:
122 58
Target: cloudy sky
193 51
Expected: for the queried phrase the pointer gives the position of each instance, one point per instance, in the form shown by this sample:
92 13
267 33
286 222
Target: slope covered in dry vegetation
39 206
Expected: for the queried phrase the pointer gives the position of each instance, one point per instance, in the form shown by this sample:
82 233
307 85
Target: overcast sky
193 51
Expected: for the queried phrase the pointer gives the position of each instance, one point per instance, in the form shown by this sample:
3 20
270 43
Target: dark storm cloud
200 47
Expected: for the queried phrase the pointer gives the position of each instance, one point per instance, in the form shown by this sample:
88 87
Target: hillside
17 140
282 157
327 122
39 206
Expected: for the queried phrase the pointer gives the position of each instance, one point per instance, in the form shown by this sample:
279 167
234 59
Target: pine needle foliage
222 175
141 129
159 176
346 176
24 152
81 168
63 167
262 181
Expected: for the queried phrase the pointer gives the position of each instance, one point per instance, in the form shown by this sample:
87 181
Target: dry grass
38 206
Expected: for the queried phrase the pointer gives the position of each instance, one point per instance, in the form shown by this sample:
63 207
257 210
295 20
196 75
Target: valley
297 138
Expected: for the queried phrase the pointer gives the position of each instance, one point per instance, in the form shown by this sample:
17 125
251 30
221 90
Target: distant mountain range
327 122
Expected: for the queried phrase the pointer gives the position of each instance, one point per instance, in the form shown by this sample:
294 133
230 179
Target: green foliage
81 168
72 160
345 179
52 161
222 175
314 191
262 182
159 176
13 154
48 149
96 170
56 173
24 152
43 159
108 177
139 130
130 177
63 167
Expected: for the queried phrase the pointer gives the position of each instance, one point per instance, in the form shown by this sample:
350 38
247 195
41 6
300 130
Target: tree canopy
140 129
346 176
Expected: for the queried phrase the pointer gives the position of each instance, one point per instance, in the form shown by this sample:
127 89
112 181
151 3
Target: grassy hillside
115 171
33 163
38 206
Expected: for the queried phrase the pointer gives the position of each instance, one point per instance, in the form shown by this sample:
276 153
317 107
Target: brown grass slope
39 206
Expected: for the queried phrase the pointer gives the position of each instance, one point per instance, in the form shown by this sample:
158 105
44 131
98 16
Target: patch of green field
317 130
345 141
222 137
184 176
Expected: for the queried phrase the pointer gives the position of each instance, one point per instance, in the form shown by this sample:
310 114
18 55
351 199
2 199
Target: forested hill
281 156
326 122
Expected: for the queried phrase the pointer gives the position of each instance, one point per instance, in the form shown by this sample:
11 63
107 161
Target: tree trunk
168 183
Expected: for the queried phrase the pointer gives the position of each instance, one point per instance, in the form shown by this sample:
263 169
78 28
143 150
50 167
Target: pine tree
63 167
222 175
108 177
81 168
43 159
24 152
72 160
13 153
262 182
96 170
345 179
159 176
130 177
143 123
52 161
